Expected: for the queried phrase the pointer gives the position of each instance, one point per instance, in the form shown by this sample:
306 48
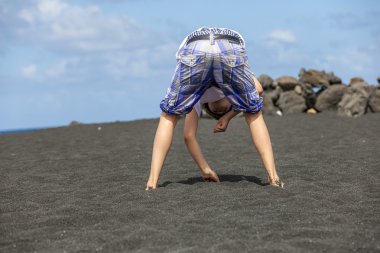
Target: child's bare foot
276 182
210 176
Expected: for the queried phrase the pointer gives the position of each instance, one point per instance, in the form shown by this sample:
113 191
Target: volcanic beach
81 188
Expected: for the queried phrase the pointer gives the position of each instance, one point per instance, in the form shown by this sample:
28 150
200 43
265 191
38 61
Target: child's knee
188 137
170 117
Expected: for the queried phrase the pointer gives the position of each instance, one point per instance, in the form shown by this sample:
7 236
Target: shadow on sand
223 178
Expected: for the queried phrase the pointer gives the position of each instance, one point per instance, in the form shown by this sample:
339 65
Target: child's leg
190 81
261 139
161 145
189 134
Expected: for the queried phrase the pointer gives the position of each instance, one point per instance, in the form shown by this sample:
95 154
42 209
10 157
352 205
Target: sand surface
81 189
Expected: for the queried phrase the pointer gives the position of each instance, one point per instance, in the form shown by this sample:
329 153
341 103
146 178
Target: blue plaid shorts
202 64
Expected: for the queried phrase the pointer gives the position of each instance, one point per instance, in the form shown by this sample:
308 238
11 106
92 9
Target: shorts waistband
230 38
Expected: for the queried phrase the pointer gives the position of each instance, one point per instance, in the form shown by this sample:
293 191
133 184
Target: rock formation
374 100
317 91
329 98
290 102
354 101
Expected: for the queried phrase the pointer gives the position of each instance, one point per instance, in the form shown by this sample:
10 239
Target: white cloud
142 62
51 8
26 15
352 61
281 36
84 43
29 71
82 28
281 48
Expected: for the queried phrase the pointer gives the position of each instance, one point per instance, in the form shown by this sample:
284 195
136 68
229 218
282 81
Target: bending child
211 60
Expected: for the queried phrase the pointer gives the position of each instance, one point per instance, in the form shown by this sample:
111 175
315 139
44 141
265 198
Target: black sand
80 189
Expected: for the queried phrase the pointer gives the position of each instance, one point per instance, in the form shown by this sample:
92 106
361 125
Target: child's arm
189 133
222 124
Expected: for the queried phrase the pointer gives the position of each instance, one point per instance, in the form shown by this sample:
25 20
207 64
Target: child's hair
213 114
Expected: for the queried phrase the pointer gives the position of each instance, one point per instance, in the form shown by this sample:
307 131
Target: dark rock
374 100
314 77
273 94
266 81
286 83
333 79
329 98
270 99
74 123
354 101
378 80
290 102
308 94
268 107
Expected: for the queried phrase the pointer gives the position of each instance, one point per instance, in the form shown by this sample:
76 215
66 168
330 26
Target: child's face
220 107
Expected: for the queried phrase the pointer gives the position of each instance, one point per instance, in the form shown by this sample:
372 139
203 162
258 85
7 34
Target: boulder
268 105
273 94
374 100
354 101
286 83
290 102
314 77
266 81
329 98
356 80
333 79
298 89
362 85
270 99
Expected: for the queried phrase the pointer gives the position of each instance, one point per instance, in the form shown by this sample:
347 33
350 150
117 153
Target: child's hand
221 126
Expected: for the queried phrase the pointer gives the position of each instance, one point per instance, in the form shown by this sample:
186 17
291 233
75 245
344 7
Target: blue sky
108 60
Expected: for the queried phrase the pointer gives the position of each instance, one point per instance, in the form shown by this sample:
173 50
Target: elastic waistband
230 38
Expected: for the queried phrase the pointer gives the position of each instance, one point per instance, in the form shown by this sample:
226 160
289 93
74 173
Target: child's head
218 108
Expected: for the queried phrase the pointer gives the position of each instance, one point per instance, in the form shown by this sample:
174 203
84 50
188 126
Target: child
207 59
